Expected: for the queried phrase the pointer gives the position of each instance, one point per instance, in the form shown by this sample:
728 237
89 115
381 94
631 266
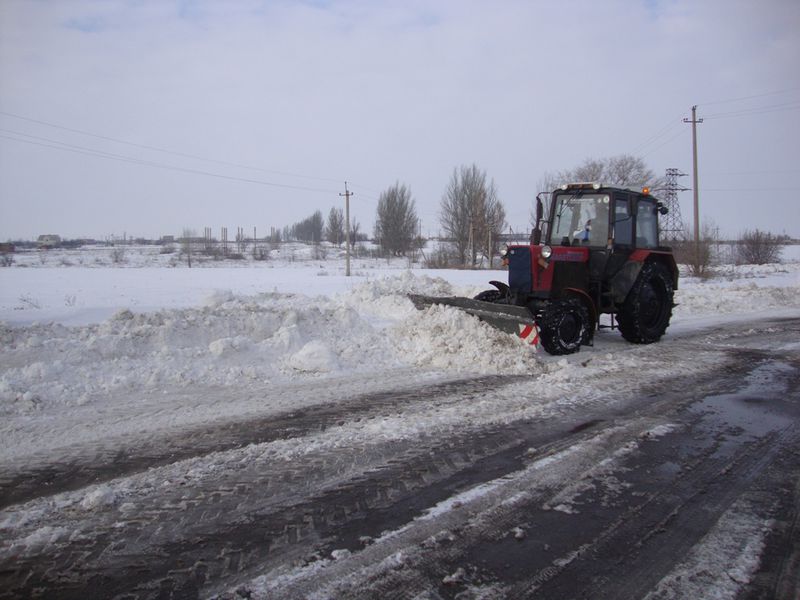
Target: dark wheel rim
569 329
652 305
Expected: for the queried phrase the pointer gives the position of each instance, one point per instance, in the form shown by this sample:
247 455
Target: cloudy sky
145 118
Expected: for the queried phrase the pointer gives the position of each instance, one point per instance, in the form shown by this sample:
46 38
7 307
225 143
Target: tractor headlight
547 251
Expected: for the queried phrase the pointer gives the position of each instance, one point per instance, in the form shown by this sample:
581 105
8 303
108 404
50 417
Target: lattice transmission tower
672 222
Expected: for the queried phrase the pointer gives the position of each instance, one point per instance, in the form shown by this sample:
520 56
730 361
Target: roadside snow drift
256 340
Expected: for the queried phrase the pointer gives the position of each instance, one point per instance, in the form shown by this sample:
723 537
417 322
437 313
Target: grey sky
310 94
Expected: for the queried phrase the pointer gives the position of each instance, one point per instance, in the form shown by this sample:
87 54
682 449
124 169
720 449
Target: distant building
7 248
167 239
48 240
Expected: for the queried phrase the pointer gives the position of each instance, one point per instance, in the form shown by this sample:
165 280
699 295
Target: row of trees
472 217
315 229
471 214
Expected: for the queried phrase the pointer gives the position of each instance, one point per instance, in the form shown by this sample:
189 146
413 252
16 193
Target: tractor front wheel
564 326
645 315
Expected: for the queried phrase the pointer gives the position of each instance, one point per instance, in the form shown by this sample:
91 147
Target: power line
64 146
759 189
769 172
680 133
675 122
757 110
121 158
671 124
369 189
765 94
162 150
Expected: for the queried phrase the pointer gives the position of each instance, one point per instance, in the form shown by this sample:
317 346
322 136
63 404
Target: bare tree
758 248
355 232
188 239
589 170
698 257
471 214
628 171
334 228
118 255
396 223
624 171
309 229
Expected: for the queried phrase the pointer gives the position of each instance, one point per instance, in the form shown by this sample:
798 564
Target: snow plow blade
516 320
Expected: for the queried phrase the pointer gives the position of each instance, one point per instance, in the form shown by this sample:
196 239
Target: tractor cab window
580 219
647 225
623 223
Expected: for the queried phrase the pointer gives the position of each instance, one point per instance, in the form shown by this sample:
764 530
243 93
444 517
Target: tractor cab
588 214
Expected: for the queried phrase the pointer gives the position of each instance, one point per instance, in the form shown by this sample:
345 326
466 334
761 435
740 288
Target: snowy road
677 481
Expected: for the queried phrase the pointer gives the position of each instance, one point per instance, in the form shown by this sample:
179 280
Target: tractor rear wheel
645 315
564 326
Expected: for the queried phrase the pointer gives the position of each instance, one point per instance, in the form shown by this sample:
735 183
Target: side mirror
536 234
661 208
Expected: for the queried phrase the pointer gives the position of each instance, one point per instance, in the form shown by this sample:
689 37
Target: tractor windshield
580 218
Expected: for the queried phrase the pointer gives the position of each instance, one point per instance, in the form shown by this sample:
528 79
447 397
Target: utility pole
347 195
471 246
694 123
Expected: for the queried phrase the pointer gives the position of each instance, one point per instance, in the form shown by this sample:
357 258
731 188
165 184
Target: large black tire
645 316
564 326
489 296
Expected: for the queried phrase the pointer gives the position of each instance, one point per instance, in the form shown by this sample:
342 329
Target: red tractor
600 254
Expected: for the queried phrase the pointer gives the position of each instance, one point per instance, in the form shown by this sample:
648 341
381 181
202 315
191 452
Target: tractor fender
663 256
623 280
502 287
587 301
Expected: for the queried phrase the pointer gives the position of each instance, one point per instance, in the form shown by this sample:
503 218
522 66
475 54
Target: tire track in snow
102 462
623 528
265 515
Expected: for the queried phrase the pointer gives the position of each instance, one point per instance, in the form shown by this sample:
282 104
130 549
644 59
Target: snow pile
256 340
314 357
735 298
224 343
387 297
445 338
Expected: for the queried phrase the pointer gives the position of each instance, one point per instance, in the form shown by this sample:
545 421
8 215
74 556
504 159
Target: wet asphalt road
661 492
